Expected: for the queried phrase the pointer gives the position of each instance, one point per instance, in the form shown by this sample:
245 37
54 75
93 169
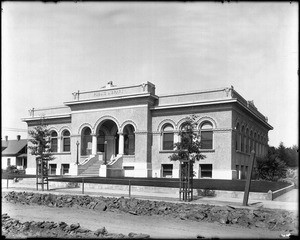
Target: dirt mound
261 218
12 228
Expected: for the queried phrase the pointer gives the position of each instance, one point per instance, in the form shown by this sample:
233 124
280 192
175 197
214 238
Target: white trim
193 104
83 126
46 117
165 121
206 119
127 122
116 87
194 92
104 109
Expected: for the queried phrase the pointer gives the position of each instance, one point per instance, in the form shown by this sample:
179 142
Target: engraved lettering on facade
108 93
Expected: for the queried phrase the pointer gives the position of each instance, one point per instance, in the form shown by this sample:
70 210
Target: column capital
121 133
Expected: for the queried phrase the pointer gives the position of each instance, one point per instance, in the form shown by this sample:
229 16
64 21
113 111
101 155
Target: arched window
251 141
100 141
167 137
237 137
129 140
53 141
257 144
254 143
66 141
246 137
86 141
206 135
242 142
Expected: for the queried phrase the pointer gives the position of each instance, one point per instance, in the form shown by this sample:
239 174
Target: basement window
65 168
167 170
52 169
205 170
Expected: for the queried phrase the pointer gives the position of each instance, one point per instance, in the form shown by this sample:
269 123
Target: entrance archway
129 140
107 139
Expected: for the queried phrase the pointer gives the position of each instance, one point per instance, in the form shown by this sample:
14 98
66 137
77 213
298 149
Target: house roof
13 147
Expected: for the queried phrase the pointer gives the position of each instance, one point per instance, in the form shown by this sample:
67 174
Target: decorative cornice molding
142 132
223 130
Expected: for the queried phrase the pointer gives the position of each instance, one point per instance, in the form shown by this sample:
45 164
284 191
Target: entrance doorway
108 139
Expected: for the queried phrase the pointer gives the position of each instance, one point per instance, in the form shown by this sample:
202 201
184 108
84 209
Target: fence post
82 185
7 182
129 185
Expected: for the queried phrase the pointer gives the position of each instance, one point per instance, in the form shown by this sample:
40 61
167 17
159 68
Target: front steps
92 170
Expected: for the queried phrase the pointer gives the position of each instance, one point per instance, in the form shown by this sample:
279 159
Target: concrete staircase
92 170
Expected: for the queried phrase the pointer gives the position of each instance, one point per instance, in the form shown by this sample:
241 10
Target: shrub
206 192
12 170
271 167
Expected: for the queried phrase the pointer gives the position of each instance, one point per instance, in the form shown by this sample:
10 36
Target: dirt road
155 226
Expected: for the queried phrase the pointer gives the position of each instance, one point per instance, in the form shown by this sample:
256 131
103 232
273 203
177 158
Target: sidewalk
288 201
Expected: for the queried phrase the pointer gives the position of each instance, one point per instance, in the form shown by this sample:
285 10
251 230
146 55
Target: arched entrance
129 140
107 139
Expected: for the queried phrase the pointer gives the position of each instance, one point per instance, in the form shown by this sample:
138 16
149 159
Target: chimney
18 137
6 138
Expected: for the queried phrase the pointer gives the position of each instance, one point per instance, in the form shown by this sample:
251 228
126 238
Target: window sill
167 151
61 153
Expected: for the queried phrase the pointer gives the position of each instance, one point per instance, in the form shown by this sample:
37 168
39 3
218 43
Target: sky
50 50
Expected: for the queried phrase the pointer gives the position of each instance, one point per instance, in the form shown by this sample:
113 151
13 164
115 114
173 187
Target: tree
271 167
187 151
281 151
189 148
41 148
292 154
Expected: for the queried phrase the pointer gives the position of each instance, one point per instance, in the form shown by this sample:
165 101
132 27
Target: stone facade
128 131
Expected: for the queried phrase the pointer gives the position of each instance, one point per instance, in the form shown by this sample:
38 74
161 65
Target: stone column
94 144
121 143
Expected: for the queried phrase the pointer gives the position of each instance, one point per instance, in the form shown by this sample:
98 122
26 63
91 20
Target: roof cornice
93 100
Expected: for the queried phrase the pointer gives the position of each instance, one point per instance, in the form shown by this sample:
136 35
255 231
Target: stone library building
129 131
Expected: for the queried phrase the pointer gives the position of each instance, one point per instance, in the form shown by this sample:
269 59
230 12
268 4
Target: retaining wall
163 191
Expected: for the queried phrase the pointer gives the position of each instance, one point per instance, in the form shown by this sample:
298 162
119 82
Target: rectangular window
205 170
242 172
128 171
8 162
237 169
246 171
206 139
52 169
167 170
168 141
66 147
65 168
54 145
